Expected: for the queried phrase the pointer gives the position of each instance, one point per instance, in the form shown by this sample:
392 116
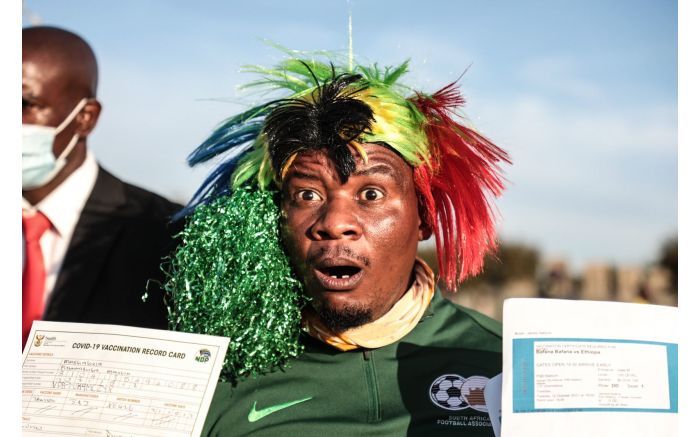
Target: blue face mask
39 165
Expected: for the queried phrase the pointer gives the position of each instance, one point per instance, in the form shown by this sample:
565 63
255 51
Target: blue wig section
233 138
231 133
222 140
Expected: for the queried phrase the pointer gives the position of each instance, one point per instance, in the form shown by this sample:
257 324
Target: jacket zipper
374 410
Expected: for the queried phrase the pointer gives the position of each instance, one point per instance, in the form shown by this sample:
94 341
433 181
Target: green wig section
230 277
397 122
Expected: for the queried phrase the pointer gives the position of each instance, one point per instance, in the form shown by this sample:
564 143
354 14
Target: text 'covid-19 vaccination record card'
584 368
108 380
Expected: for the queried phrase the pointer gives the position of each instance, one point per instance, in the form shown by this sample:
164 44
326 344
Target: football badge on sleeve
454 392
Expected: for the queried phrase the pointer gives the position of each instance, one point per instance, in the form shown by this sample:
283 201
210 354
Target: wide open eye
371 194
307 196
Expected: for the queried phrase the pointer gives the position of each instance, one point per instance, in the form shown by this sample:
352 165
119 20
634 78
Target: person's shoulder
150 202
454 323
138 201
489 325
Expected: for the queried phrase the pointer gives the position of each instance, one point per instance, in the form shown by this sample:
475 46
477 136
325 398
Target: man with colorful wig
301 247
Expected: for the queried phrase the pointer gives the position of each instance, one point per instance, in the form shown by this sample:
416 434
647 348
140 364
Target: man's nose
337 220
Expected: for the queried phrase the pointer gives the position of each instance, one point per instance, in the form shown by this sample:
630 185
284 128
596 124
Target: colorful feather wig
456 175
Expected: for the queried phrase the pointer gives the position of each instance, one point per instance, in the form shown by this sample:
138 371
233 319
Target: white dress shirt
62 207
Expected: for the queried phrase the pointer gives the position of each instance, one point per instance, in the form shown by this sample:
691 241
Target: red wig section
458 186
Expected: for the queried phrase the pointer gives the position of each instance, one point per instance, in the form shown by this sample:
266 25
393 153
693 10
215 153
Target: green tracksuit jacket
429 383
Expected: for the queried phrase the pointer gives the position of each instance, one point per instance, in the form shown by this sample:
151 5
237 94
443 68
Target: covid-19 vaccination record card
107 380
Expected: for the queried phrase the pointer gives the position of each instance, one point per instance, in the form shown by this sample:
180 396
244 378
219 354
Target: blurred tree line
510 261
668 258
513 261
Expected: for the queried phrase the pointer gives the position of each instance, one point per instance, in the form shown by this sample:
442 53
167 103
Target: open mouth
339 278
340 272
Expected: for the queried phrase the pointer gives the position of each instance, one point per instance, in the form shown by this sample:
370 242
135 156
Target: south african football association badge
454 392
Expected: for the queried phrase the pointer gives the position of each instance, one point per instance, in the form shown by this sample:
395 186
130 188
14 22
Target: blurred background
582 94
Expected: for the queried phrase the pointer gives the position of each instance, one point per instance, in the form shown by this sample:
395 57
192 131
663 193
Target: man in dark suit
93 244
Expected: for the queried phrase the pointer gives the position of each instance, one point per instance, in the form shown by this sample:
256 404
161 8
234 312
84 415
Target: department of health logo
203 356
38 339
454 392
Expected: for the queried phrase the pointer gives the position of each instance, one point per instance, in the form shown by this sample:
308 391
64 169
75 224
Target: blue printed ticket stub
594 375
583 368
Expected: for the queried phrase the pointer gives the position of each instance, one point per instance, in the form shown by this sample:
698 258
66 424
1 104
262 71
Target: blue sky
583 94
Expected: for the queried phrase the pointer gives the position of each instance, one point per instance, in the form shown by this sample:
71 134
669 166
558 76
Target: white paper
107 380
492 394
582 368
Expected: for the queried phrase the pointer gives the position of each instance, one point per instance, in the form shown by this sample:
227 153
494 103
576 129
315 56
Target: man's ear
86 119
424 232
424 229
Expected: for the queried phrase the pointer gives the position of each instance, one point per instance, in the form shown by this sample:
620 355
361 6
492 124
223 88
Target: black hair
329 120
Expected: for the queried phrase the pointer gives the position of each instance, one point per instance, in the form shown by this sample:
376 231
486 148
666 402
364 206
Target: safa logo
454 392
203 356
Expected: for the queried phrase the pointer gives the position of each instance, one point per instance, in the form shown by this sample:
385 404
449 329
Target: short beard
340 320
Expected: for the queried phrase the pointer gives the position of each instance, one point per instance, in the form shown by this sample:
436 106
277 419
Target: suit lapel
95 233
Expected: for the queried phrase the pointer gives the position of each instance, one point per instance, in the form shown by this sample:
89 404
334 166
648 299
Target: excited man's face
353 244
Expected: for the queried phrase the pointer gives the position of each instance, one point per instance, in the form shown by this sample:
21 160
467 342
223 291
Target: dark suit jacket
114 257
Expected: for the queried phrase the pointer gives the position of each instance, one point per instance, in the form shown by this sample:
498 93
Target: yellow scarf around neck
389 328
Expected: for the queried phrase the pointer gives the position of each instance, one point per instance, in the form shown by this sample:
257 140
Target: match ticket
108 380
581 368
594 375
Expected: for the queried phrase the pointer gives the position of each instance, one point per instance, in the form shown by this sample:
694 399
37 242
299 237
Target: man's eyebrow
377 169
301 175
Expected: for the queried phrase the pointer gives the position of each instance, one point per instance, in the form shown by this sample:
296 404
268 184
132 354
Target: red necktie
34 275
